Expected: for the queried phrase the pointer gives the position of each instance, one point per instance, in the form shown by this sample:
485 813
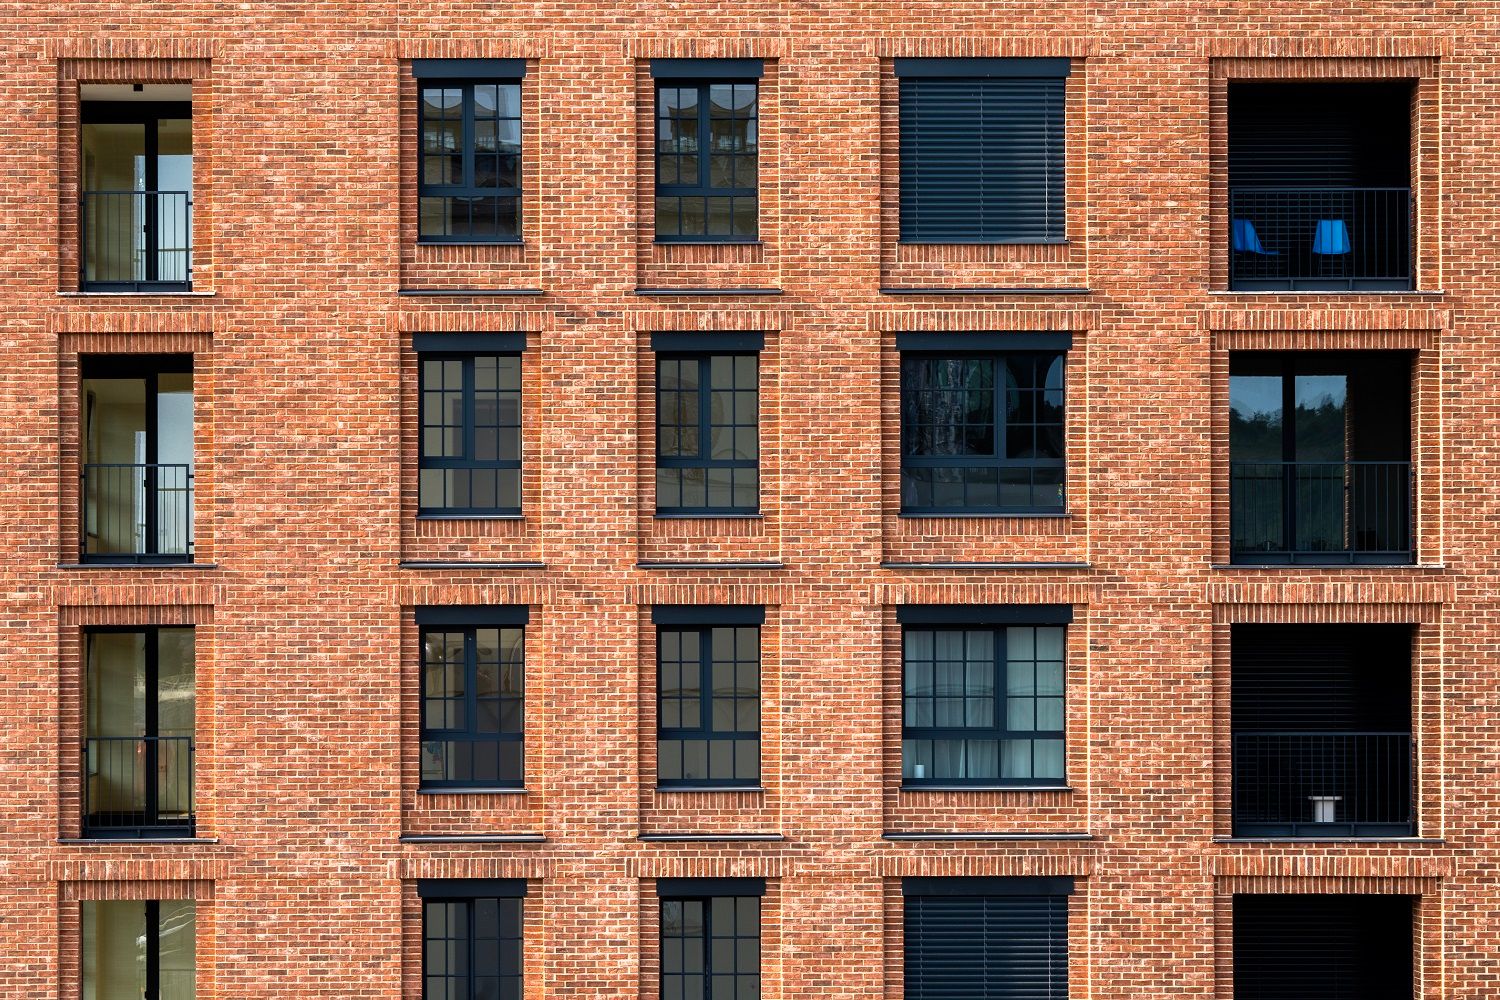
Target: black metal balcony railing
137 240
1322 784
1320 238
138 786
1320 512
137 513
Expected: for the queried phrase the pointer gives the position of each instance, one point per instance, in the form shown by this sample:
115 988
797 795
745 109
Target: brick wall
312 557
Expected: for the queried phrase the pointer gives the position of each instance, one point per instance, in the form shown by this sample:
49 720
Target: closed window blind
982 160
987 947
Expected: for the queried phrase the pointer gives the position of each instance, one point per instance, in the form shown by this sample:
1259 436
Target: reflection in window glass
708 706
707 434
707 161
470 436
982 433
469 171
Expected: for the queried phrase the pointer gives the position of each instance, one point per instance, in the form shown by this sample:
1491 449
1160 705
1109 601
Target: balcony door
139 949
1319 448
140 696
137 195
138 458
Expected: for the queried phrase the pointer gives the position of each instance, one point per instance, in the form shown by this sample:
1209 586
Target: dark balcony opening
135 212
1320 185
137 475
138 755
1320 457
1301 947
1320 720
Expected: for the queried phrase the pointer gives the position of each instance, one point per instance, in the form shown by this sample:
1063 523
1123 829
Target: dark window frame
424 461
149 115
704 188
470 963
705 425
998 359
149 368
470 733
705 731
151 943
1000 731
151 733
468 188
706 898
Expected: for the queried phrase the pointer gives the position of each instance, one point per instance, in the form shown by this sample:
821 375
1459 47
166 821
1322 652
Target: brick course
303 131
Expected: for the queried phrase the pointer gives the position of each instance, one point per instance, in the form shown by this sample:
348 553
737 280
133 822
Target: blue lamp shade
1245 239
1331 237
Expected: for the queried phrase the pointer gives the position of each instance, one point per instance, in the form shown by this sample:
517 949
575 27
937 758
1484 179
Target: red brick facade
308 285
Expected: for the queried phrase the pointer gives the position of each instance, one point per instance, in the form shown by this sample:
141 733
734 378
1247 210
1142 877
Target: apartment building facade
695 501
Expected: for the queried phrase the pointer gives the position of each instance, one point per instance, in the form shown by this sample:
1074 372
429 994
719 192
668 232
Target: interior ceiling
127 92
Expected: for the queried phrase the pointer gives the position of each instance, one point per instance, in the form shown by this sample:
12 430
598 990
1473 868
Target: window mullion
468 138
999 364
153 950
473 951
705 681
703 140
471 685
708 945
468 413
1002 687
705 412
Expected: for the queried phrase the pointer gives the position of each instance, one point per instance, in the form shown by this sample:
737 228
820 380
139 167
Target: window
708 706
986 938
706 149
981 432
141 949
707 425
471 938
472 699
136 210
1320 453
710 938
470 448
138 458
138 749
982 150
982 695
469 173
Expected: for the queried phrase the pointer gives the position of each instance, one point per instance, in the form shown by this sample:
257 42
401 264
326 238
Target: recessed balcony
1320 186
1321 730
1320 465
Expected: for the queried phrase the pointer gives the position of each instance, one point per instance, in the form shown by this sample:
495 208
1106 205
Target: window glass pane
1048 759
693 209
949 410
695 759
114 955
747 760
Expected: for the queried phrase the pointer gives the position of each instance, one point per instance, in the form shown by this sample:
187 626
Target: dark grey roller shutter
986 948
982 159
1297 947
